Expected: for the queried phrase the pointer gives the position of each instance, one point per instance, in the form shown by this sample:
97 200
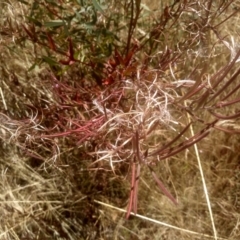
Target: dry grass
66 171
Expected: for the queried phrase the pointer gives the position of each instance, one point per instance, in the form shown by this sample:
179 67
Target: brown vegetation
119 120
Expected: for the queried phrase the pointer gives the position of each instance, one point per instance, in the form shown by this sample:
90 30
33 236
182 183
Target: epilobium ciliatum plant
107 90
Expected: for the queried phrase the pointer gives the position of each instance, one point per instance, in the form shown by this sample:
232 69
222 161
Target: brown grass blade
158 151
219 116
197 137
161 186
197 86
225 85
216 79
225 104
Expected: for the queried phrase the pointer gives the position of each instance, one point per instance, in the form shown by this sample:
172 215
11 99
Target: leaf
79 2
24 2
53 3
97 6
71 51
35 21
162 187
32 67
49 60
118 58
223 117
54 23
65 62
51 42
30 34
159 150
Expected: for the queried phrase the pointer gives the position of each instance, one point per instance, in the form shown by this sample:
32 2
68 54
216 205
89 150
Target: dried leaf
51 42
161 186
